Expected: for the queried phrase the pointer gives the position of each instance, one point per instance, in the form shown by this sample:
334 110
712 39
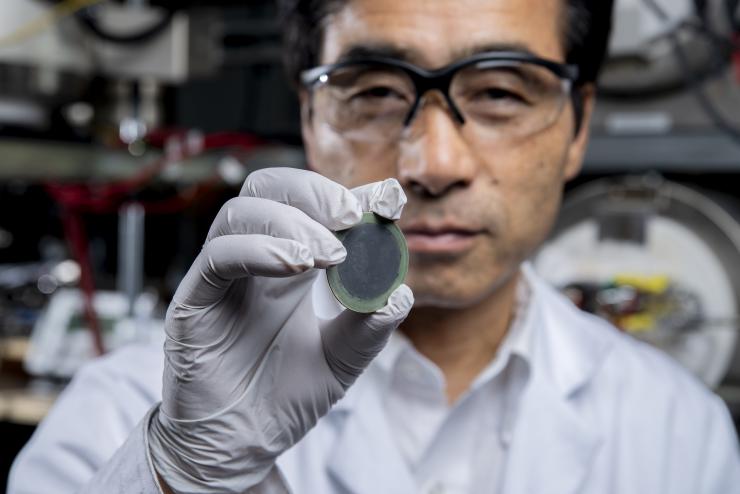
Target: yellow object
655 284
41 23
637 323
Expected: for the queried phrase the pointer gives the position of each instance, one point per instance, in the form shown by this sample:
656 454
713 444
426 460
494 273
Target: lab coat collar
365 458
573 352
552 443
569 349
517 340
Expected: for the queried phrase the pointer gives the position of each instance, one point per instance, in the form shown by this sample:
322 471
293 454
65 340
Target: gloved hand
249 367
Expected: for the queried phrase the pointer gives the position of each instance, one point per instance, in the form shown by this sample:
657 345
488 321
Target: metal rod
131 252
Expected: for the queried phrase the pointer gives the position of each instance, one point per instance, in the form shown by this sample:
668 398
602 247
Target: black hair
586 29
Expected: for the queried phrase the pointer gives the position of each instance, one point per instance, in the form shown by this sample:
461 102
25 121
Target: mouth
440 239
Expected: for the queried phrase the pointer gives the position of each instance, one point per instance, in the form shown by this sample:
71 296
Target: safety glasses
506 94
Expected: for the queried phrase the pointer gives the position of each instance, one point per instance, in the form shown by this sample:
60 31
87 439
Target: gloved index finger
385 198
324 200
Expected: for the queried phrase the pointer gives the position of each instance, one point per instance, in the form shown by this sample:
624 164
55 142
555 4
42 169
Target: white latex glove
249 367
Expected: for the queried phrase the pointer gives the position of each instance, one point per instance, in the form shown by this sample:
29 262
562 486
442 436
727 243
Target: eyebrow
389 50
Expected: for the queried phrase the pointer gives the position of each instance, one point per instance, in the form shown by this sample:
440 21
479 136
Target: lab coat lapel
551 448
553 443
365 459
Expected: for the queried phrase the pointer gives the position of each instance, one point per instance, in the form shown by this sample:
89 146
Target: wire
76 199
725 50
692 81
74 230
104 198
703 26
43 22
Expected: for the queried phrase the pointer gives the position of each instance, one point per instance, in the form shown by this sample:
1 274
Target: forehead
433 33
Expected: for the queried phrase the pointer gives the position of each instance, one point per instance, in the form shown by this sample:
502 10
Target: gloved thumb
351 340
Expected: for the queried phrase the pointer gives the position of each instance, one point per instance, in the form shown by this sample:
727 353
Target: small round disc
376 264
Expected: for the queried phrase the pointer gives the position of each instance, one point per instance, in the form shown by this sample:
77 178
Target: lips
440 238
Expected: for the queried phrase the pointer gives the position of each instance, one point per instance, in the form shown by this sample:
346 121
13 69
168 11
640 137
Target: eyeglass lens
507 99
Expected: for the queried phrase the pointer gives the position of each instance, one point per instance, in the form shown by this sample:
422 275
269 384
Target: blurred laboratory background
124 125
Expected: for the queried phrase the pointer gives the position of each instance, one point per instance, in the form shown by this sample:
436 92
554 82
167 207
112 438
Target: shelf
29 160
686 153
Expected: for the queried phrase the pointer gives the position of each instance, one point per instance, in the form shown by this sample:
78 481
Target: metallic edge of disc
361 305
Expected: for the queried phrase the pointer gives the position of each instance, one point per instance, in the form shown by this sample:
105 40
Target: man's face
475 210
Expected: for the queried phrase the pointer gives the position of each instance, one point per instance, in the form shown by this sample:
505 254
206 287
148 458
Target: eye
377 92
502 95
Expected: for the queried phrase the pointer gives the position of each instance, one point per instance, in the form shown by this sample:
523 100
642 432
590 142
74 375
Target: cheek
350 163
531 191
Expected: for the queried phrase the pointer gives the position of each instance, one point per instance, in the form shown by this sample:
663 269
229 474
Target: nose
436 160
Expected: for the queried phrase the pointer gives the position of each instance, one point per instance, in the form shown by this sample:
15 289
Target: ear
307 130
577 147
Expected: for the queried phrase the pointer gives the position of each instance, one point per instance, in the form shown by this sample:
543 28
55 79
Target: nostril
432 191
419 190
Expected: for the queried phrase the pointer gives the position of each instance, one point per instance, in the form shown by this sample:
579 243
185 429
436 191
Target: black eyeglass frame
440 79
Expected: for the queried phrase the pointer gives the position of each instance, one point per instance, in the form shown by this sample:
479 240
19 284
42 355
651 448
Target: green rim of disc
368 305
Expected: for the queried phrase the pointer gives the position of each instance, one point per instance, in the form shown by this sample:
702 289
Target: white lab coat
601 413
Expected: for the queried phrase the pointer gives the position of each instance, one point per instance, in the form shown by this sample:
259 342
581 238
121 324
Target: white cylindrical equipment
657 258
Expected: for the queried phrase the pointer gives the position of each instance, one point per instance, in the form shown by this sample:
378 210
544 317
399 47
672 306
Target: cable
722 49
701 9
108 197
74 231
43 22
692 81
76 199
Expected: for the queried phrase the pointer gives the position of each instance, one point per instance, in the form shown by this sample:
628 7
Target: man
494 383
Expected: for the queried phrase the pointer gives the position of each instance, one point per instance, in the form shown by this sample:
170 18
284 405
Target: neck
461 342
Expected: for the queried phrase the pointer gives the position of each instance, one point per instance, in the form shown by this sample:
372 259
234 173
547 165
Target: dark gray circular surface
372 260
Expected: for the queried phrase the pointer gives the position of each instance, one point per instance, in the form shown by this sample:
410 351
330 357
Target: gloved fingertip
389 199
332 256
401 300
395 185
353 216
398 307
338 255
350 213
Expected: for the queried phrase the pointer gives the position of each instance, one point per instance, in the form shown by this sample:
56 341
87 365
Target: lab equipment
658 259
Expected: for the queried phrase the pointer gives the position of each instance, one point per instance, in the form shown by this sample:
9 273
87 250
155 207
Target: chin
435 302
449 296
457 290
